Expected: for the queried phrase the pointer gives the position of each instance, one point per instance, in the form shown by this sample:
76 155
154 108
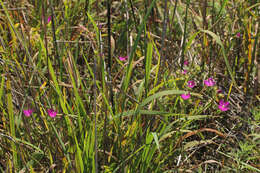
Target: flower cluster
51 112
223 106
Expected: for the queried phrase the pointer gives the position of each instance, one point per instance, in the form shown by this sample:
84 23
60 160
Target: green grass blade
217 39
148 63
18 35
192 37
11 119
160 94
61 142
155 137
2 89
63 105
130 64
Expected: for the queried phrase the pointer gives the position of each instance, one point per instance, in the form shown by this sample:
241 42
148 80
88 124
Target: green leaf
148 63
155 137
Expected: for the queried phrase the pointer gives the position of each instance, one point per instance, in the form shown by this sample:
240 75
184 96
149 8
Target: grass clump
129 86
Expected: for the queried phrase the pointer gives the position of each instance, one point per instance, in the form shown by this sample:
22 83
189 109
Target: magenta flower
121 58
49 19
185 96
184 71
238 34
52 113
223 106
28 112
191 84
209 82
186 62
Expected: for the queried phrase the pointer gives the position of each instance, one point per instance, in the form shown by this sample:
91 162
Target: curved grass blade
217 39
130 64
148 63
155 137
11 119
160 94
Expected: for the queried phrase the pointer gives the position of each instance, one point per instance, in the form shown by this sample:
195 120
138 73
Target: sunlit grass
151 95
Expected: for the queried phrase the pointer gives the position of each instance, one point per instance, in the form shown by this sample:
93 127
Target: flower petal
49 19
52 113
209 82
191 84
123 58
185 96
186 62
28 112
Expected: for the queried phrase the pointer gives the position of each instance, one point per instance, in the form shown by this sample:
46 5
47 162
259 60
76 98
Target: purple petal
184 71
28 112
186 62
49 19
209 82
121 58
219 91
221 102
52 113
226 104
191 84
185 96
223 108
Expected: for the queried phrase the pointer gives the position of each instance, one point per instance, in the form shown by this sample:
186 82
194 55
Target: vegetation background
129 86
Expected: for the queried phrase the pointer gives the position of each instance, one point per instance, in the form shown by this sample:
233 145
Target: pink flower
28 112
209 82
185 96
238 34
121 58
191 84
186 62
223 106
184 71
52 113
49 19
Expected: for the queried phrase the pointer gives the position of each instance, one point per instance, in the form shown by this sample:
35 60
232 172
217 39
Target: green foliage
155 121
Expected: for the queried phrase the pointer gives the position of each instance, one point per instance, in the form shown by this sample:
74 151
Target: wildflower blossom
28 112
191 84
184 71
52 113
49 19
186 62
223 106
121 58
238 34
185 96
209 82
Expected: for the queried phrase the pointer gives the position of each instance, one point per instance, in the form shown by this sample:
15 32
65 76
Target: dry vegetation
129 86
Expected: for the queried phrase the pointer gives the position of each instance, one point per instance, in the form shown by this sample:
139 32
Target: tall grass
138 86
